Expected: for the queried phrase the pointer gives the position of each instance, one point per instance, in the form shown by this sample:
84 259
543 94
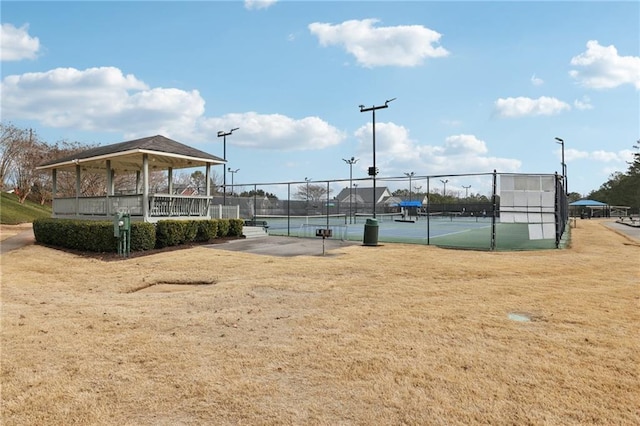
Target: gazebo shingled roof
162 152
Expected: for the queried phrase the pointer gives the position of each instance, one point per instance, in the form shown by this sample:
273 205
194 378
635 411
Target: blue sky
479 85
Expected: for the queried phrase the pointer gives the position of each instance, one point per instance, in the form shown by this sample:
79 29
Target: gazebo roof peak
127 156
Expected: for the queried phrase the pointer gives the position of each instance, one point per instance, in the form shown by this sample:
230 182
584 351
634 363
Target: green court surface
454 232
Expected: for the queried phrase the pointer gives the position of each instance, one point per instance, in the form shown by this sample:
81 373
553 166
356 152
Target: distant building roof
364 194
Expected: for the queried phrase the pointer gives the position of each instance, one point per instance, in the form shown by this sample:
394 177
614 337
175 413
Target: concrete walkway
628 230
22 239
283 246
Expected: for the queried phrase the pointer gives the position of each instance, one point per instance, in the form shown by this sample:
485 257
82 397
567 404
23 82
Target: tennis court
441 230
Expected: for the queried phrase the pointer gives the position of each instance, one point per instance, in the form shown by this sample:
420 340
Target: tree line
22 150
622 188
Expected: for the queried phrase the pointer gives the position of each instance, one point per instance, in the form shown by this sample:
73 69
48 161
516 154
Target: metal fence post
494 204
288 209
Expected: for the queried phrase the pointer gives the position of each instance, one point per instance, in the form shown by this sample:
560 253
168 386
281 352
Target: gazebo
140 156
591 205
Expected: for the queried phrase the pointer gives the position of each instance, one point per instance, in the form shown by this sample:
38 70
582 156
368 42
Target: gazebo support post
109 185
54 179
145 187
78 189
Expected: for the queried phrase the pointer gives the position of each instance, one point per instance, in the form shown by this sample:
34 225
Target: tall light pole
350 162
373 171
410 175
466 191
222 134
444 190
233 172
564 166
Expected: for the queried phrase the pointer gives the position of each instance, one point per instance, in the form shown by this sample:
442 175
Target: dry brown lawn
397 334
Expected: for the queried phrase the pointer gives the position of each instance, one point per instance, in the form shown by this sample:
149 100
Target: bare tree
12 139
90 184
311 192
31 153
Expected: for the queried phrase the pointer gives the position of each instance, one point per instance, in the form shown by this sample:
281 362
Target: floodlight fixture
444 189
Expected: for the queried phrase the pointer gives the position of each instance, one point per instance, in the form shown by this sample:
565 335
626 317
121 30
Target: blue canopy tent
588 203
409 208
414 203
591 205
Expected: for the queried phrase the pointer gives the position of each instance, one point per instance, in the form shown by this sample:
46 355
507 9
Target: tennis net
380 217
280 221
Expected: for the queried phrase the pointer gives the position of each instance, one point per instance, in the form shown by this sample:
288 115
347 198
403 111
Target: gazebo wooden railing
161 206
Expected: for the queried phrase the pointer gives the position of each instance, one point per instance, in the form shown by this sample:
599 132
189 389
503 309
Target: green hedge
91 235
97 236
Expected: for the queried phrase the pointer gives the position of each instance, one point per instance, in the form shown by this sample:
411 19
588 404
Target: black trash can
370 233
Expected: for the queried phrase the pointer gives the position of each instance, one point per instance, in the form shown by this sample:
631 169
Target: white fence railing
160 206
218 211
98 206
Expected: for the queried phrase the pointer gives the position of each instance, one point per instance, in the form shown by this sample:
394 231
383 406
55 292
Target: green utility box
370 233
122 231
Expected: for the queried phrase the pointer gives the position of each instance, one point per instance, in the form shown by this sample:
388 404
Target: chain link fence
487 211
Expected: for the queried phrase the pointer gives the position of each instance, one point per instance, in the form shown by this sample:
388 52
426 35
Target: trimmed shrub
143 236
190 231
223 228
235 227
169 233
207 230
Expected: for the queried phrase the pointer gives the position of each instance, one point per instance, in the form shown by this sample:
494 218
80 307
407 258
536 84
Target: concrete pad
283 246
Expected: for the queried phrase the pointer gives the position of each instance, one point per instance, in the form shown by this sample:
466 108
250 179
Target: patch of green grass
13 213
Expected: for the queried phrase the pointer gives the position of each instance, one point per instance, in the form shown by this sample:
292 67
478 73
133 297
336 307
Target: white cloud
464 144
258 4
621 157
397 153
106 100
403 45
99 99
582 104
573 154
522 107
536 81
16 43
603 68
276 131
